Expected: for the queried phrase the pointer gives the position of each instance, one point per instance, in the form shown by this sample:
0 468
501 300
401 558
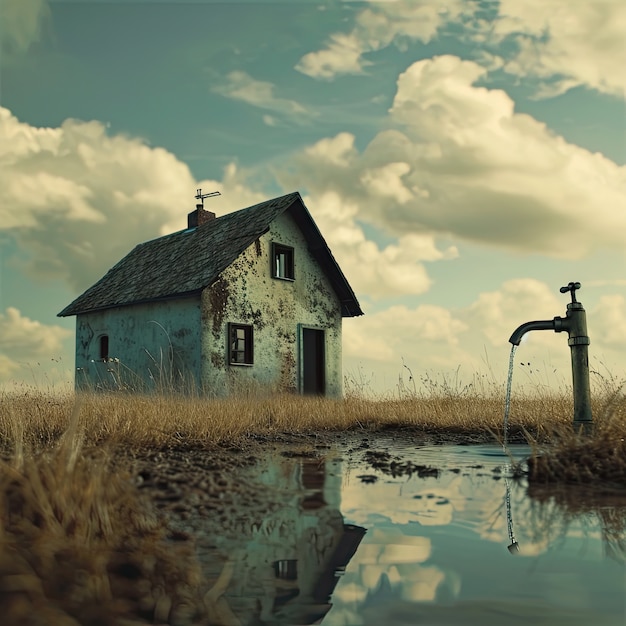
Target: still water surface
350 543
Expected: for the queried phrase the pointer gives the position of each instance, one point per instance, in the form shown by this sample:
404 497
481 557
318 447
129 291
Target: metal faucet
575 324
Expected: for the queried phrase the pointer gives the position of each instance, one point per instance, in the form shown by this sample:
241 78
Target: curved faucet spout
520 331
575 325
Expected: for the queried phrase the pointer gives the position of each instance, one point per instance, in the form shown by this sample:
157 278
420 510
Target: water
427 539
507 400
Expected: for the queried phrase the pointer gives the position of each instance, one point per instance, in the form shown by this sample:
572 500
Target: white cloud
471 344
496 314
566 44
241 86
334 151
23 340
386 181
458 161
268 120
607 322
559 44
401 332
377 26
22 21
342 56
374 270
77 200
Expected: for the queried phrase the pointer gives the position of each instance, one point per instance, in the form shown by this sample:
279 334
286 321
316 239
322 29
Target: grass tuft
572 457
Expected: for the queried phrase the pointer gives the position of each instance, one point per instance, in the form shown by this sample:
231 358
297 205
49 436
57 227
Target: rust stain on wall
218 360
219 293
287 381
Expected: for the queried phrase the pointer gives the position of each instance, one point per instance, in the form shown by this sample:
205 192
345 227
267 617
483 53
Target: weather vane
201 196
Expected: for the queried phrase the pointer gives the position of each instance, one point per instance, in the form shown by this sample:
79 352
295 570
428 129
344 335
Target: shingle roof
186 262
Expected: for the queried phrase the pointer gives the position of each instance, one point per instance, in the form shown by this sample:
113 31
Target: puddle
438 535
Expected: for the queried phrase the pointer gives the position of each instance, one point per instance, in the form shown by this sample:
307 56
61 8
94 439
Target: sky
463 159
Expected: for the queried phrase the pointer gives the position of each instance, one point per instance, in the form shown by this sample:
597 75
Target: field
81 544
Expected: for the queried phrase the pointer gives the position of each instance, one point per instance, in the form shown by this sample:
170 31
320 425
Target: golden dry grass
79 546
574 457
130 421
161 421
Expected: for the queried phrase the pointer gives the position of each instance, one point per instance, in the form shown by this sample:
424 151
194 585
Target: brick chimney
199 216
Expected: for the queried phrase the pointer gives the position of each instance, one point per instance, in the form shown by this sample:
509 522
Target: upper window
282 262
104 347
240 344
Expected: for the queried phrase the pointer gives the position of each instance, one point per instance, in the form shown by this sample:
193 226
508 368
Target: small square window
282 262
240 344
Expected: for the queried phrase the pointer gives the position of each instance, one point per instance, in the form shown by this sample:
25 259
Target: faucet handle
571 287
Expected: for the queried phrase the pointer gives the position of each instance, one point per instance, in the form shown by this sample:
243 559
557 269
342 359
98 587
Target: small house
251 299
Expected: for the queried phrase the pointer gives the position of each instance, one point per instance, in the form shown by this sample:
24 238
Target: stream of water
507 400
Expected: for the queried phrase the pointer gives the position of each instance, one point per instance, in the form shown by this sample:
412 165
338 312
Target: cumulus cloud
608 322
23 340
470 344
458 160
341 56
77 200
241 86
565 44
22 22
421 335
375 270
558 44
377 26
496 314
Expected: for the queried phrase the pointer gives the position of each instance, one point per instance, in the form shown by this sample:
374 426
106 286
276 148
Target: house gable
247 293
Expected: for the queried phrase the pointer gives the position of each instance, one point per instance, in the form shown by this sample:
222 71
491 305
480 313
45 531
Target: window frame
289 268
248 348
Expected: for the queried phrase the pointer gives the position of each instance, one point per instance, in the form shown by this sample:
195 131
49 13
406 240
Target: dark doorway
313 362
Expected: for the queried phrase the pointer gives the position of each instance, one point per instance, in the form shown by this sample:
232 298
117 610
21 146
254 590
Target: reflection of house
294 559
252 297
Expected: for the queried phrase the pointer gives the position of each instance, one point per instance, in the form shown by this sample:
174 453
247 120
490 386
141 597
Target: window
282 262
287 569
104 347
240 345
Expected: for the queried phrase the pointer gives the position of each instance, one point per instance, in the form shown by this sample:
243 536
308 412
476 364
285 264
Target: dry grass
162 421
576 458
131 421
38 420
570 456
79 546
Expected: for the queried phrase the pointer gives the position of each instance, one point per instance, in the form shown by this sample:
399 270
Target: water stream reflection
351 544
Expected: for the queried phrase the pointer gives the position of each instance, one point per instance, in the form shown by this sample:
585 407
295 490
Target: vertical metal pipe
579 342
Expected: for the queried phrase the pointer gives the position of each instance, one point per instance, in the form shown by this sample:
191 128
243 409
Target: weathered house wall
182 343
247 293
150 346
